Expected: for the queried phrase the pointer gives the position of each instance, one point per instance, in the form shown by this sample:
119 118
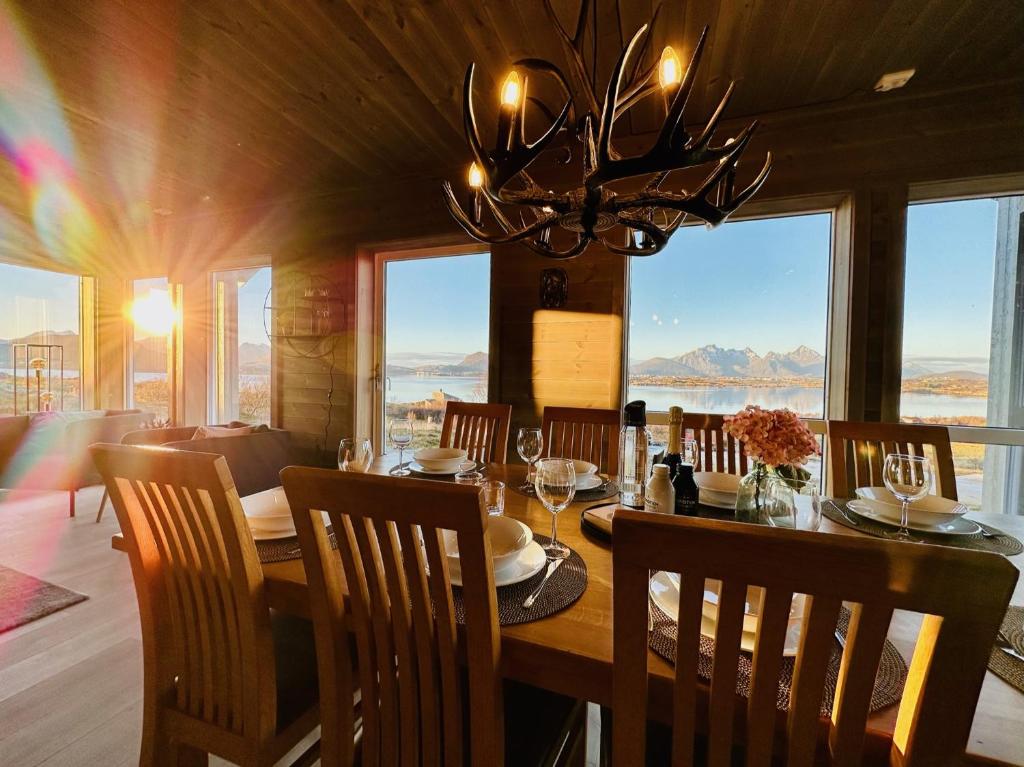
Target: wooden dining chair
857 453
431 688
719 451
479 429
220 676
590 434
962 595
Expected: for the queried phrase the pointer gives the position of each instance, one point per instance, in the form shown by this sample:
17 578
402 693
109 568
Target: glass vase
752 496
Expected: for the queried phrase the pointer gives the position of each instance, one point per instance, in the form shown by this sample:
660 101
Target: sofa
50 451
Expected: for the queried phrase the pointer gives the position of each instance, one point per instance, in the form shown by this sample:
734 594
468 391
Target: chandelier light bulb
510 91
670 71
475 176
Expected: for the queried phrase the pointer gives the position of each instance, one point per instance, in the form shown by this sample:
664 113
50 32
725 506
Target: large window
150 337
436 326
240 364
733 316
963 340
41 311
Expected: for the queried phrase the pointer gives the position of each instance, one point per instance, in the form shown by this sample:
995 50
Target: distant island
471 366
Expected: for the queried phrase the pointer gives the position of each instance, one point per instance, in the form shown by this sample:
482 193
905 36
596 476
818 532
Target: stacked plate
587 477
717 489
268 514
664 593
516 556
931 514
443 461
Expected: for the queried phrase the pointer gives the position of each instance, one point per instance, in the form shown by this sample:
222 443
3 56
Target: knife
552 566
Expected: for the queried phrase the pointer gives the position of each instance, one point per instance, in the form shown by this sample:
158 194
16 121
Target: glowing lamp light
510 91
154 313
475 176
670 71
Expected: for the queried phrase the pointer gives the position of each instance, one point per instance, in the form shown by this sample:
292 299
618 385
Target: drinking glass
469 477
346 453
793 503
555 483
400 434
908 477
530 444
691 453
493 492
362 457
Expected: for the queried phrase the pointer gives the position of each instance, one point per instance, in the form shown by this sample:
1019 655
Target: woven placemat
608 490
892 669
284 549
480 467
991 539
567 584
1002 664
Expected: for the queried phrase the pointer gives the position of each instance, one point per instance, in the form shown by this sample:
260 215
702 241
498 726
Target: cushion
205 432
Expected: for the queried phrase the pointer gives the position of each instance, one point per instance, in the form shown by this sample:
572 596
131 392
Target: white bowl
588 481
583 467
268 503
508 539
928 511
717 482
440 458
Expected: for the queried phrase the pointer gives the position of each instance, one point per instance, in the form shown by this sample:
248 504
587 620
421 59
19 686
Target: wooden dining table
570 652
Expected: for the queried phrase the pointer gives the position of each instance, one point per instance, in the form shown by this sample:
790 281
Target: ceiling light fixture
638 221
890 81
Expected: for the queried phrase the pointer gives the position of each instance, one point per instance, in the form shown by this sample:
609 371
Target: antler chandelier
638 222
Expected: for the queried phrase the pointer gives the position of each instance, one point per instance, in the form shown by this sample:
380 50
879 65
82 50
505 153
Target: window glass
733 316
240 369
152 325
963 335
41 320
436 313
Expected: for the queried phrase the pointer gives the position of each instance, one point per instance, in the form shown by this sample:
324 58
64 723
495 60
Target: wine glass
530 444
908 477
400 434
362 457
555 483
793 503
691 453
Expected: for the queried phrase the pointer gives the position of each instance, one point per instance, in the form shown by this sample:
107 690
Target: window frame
840 207
381 258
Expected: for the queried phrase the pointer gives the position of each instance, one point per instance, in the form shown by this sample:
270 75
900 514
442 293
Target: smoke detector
890 81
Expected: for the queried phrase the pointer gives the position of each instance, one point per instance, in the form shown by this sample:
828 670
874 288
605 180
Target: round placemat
1013 627
990 539
892 669
608 490
284 549
566 585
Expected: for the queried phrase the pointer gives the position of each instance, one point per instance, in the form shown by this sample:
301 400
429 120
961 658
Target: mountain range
713 361
474 364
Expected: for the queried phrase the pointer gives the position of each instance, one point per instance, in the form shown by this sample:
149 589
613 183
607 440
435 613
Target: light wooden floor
71 683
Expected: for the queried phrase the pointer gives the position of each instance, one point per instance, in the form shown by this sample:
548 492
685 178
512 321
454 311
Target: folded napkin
601 516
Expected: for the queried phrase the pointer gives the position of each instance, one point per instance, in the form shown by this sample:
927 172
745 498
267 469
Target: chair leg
103 503
71 503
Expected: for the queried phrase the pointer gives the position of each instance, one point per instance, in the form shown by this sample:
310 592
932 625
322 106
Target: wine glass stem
401 451
554 530
903 517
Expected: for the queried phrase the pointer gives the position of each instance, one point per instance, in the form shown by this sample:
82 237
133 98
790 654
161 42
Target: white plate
717 482
525 566
664 593
464 466
869 510
930 510
263 535
713 499
588 481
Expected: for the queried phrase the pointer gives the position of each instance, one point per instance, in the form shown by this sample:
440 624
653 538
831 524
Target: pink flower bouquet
773 437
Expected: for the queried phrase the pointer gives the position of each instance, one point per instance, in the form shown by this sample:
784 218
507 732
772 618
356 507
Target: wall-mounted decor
636 221
554 288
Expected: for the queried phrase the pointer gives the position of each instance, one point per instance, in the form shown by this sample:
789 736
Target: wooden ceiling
220 104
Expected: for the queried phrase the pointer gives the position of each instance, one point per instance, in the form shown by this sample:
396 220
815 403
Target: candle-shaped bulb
510 91
669 71
475 176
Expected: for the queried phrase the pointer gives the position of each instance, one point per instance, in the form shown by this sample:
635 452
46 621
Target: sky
438 304
252 297
32 299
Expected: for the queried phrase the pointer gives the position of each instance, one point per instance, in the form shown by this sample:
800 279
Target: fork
1003 643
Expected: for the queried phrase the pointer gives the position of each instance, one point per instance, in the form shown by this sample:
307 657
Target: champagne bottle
674 455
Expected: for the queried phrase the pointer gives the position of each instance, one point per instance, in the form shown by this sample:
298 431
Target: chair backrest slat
857 452
391 550
589 434
962 595
199 583
718 450
479 429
